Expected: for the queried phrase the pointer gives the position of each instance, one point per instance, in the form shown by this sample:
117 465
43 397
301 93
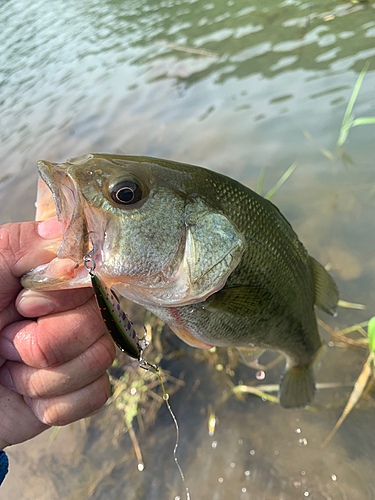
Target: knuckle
54 411
103 392
34 342
9 240
40 357
15 242
51 416
22 379
40 410
32 386
103 353
102 389
94 311
65 410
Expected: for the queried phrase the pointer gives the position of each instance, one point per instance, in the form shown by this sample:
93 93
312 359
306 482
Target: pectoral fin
240 300
326 293
189 339
250 355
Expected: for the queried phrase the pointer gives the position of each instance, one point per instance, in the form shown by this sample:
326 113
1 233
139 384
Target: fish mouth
58 195
69 209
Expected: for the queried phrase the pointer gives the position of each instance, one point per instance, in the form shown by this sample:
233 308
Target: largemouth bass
214 260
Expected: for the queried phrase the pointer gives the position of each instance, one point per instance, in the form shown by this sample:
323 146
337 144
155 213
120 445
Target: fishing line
156 371
122 332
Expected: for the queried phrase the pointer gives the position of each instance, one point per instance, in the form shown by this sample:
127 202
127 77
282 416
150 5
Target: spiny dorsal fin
326 293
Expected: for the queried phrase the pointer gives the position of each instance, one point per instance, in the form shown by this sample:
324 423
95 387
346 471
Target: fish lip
49 172
69 209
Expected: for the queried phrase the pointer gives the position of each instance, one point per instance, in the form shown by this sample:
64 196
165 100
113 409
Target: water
269 87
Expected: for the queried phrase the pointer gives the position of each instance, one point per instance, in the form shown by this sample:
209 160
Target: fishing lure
121 329
117 321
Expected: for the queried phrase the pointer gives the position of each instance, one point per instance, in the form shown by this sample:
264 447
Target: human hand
52 369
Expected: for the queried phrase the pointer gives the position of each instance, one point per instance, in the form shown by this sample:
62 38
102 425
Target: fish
210 257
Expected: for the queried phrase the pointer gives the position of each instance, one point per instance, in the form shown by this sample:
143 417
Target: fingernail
8 351
50 229
5 378
33 304
28 400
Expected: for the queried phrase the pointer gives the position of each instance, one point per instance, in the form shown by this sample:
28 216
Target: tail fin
297 387
326 293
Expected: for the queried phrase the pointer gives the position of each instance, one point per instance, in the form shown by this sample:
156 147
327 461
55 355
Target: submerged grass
281 181
348 122
278 184
368 370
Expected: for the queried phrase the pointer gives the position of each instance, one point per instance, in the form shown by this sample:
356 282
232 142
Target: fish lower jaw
58 274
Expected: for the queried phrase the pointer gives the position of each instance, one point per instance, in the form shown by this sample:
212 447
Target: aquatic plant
348 122
367 371
278 184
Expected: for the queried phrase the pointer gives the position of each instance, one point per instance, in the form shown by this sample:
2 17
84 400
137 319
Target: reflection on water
107 76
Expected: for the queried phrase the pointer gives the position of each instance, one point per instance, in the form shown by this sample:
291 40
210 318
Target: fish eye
126 192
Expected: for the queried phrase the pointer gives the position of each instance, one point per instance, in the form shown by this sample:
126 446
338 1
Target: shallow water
264 85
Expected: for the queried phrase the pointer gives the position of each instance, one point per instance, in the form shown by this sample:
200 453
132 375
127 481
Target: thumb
23 246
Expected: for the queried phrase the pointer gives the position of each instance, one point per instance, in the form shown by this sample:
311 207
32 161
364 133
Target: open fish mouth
58 195
69 210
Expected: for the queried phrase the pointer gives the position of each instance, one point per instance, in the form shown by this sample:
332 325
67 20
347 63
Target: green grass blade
346 122
356 393
52 436
347 159
350 305
363 121
256 392
261 180
352 328
344 131
281 181
371 334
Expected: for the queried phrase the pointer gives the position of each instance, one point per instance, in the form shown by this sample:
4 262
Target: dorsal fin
326 293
